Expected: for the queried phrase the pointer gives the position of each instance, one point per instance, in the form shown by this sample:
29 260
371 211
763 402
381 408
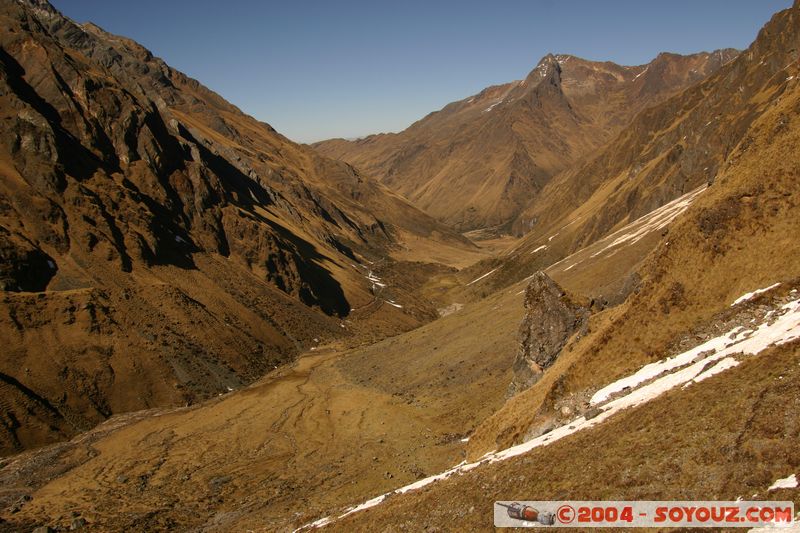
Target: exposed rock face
157 245
551 317
667 151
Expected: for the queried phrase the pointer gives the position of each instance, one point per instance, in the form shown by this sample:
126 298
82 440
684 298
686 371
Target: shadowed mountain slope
156 244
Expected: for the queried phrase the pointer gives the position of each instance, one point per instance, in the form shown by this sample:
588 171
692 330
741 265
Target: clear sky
338 68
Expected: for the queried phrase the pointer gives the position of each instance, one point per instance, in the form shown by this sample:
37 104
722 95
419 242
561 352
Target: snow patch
374 280
427 481
785 483
738 340
653 221
480 278
750 295
319 523
642 72
366 505
542 247
725 364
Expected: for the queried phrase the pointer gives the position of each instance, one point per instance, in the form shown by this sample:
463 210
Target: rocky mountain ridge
156 244
477 162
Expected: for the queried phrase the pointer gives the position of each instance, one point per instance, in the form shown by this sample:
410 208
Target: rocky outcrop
551 318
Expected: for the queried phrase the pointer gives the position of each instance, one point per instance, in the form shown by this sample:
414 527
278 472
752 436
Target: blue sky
321 69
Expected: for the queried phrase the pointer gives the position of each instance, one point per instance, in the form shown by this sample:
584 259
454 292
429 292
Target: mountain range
479 162
582 285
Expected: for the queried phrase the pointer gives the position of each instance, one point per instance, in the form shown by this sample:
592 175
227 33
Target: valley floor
318 434
341 425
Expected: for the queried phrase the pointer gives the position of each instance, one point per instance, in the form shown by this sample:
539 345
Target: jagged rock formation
551 318
478 162
734 236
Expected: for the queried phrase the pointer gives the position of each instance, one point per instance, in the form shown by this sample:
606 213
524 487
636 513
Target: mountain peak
548 58
40 7
42 4
547 67
122 183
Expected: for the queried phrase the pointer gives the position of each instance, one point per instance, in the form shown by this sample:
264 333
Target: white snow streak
751 295
375 280
738 340
642 72
634 231
785 483
725 364
542 247
653 221
480 278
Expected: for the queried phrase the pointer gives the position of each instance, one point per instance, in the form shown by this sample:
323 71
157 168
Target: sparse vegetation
206 326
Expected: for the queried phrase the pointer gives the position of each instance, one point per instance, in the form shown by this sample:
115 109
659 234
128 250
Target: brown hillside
730 436
478 162
298 359
156 244
667 152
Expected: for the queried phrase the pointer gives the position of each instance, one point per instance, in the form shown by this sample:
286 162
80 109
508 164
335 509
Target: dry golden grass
739 235
478 162
730 437
307 433
344 424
